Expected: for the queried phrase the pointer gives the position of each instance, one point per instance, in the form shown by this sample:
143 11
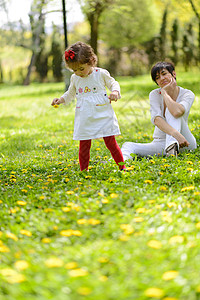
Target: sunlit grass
101 234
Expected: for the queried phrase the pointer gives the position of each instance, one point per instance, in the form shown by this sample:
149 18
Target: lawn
102 234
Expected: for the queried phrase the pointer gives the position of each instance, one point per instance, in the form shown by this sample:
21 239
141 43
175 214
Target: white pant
158 146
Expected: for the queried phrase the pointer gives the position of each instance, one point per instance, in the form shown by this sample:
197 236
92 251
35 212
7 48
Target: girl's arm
168 129
112 85
68 96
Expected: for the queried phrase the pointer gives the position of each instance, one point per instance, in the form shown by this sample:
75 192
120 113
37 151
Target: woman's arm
168 129
176 109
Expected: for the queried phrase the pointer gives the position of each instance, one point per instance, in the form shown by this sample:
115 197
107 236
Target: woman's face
164 77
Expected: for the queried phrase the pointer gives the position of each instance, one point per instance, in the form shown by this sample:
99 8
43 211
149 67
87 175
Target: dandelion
103 260
176 239
12 276
70 192
154 244
188 188
148 181
138 219
189 162
171 204
113 195
169 275
71 265
48 209
78 272
84 291
4 249
190 169
1 201
163 188
70 232
21 265
196 193
66 209
24 191
124 238
26 232
93 222
22 203
152 161
42 197
170 298
103 278
46 240
54 262
105 201
141 210
154 292
12 236
198 225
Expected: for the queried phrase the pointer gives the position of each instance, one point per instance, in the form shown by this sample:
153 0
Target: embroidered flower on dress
80 90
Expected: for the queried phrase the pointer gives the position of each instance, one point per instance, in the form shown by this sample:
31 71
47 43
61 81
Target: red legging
111 144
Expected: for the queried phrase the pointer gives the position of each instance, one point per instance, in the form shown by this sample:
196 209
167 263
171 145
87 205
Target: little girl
94 115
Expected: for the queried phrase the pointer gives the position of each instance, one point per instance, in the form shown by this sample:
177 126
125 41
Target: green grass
101 234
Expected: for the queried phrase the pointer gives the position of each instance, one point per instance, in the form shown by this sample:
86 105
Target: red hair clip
69 54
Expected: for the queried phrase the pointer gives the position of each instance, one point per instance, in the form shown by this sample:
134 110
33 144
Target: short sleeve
187 99
70 94
156 106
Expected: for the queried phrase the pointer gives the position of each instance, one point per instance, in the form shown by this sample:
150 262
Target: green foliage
66 234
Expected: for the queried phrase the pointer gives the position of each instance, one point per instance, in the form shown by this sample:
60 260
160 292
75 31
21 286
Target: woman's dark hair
158 67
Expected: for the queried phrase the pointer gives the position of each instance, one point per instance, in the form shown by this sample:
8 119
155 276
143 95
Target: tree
175 37
163 35
194 8
37 26
56 52
93 9
188 46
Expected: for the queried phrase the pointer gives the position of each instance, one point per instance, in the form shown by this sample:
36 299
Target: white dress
94 115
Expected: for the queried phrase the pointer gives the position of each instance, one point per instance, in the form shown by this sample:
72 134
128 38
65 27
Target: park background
104 234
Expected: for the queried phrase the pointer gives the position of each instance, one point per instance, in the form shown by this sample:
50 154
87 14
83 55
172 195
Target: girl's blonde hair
80 53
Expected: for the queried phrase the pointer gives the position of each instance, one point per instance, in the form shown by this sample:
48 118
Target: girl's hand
181 140
114 96
57 101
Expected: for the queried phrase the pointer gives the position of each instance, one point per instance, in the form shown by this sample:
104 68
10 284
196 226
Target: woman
169 106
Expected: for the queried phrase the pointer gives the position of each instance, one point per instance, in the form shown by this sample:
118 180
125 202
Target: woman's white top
185 98
94 115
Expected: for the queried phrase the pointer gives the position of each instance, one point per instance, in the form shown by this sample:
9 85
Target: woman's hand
181 139
169 88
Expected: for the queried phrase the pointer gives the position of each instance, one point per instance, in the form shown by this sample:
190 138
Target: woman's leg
115 150
84 154
180 125
143 149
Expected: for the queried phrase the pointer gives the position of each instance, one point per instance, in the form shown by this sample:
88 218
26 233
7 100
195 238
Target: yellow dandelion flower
166 165
171 204
151 201
46 240
176 239
190 169
103 278
170 298
198 289
82 221
138 219
21 265
188 188
84 291
155 244
105 201
42 197
48 209
160 173
167 219
25 232
154 292
103 260
163 188
70 232
66 209
4 249
148 181
24 191
196 193
124 238
169 275
70 192
1 201
113 195
93 222
78 272
54 262
198 225
12 236
152 161
189 162
141 210
22 203
71 265
55 106
12 276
